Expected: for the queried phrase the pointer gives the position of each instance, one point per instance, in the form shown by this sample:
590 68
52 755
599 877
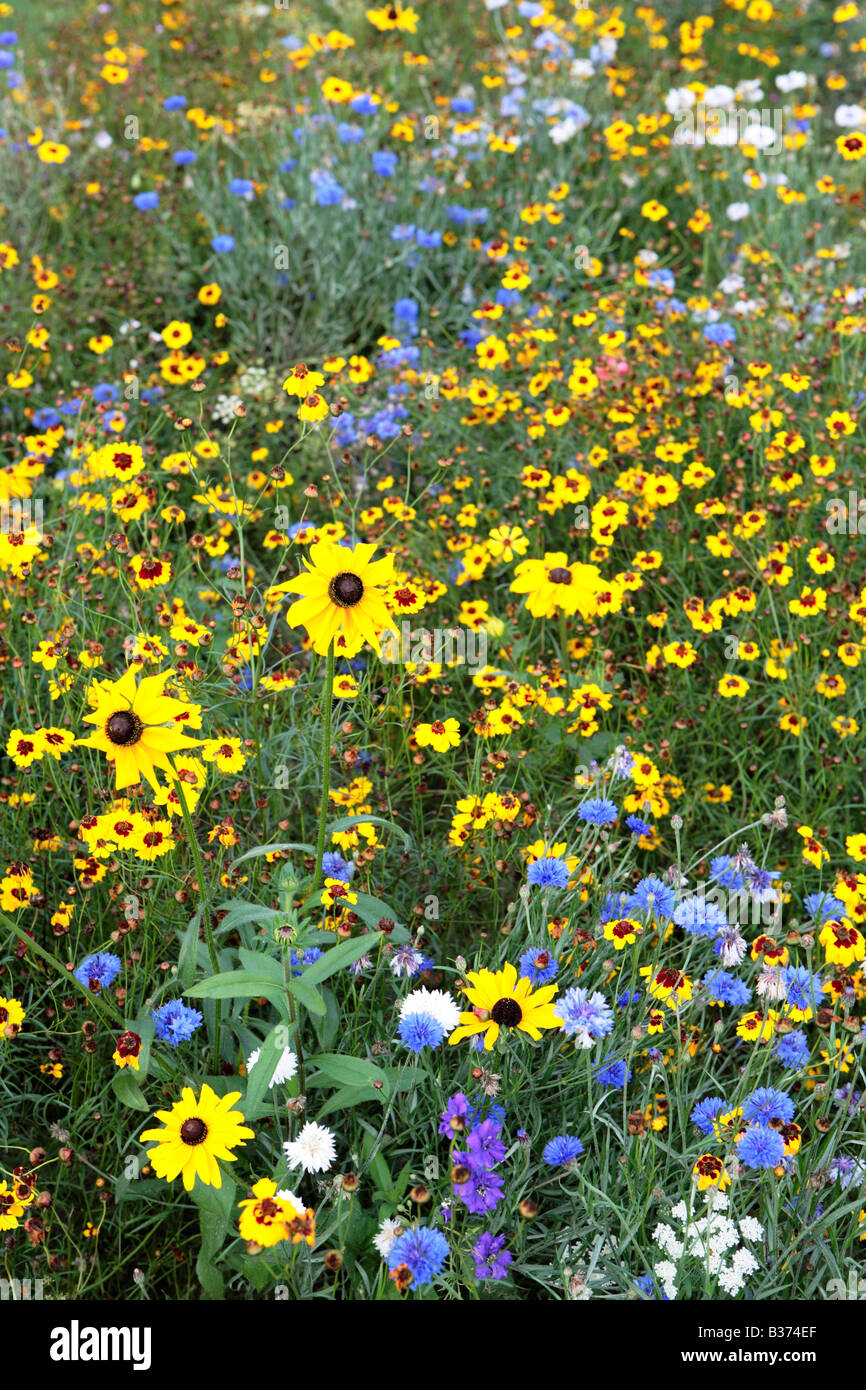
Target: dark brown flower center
124 728
346 590
560 575
193 1131
507 1012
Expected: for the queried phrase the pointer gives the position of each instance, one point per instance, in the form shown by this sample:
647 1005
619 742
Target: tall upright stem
326 767
205 913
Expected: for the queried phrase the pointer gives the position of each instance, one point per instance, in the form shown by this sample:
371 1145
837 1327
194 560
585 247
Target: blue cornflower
406 310
175 1022
364 104
720 333
792 1051
598 811
349 134
328 192
98 971
761 1147
724 988
766 1103
561 1150
484 1146
822 906
146 202
223 243
404 231
653 897
724 874
612 907
803 990
428 239
491 1261
242 188
485 1111
612 1073
420 1030
423 1250
548 872
539 966
335 866
184 157
699 915
301 958
384 163
638 826
706 1111
647 1287
174 103
584 1017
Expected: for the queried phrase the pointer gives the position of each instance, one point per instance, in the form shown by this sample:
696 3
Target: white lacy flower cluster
714 1240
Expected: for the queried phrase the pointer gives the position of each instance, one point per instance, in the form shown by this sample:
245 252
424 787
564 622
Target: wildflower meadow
432 599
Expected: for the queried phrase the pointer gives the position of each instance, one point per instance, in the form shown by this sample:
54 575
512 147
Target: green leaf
346 1099
259 1079
259 964
307 995
127 1090
328 1026
273 849
241 984
339 957
352 1071
143 1026
214 1226
189 951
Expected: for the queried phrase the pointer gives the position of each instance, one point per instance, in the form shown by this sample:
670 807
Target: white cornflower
792 81
737 211
436 1002
387 1233
849 117
721 95
285 1069
313 1150
292 1201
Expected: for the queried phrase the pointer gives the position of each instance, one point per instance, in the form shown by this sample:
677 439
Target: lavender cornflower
484 1146
491 1261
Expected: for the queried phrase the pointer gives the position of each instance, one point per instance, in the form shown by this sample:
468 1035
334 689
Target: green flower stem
326 768
203 909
